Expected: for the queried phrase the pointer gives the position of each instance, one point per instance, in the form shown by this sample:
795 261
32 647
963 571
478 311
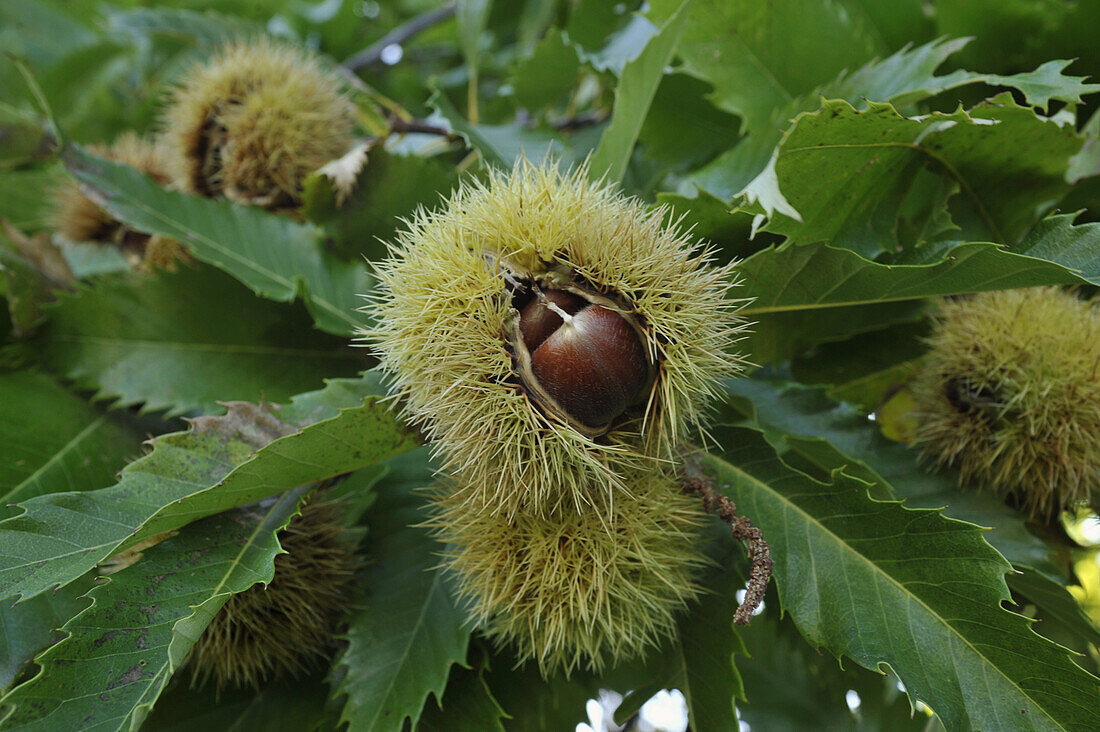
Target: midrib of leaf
296 285
204 347
765 488
113 544
764 69
897 294
919 148
65 449
408 646
248 263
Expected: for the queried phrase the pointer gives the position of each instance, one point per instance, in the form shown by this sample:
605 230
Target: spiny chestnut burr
287 627
1009 394
256 119
576 590
551 337
581 361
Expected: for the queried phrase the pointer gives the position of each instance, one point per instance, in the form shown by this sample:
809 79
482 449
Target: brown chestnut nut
537 321
588 367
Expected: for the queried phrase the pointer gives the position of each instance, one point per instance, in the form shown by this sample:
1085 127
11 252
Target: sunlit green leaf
221 462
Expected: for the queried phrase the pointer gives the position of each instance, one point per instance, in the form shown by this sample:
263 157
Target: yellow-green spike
576 589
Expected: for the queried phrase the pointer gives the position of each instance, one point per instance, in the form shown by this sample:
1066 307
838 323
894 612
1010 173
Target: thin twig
400 126
581 120
760 558
372 54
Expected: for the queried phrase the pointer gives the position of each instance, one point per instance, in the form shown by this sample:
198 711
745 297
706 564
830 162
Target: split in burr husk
1009 393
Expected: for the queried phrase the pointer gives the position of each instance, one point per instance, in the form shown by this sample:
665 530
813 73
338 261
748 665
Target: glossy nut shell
590 370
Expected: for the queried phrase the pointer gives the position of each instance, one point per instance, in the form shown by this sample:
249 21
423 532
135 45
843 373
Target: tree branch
373 53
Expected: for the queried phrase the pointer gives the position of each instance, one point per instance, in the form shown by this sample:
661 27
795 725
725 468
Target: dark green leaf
886 585
683 129
207 26
122 650
792 687
26 289
778 335
902 79
52 441
467 706
637 85
1020 35
184 341
274 256
608 35
760 56
389 188
409 630
500 145
472 16
908 76
710 219
831 436
700 660
864 370
1055 602
892 24
843 175
221 462
25 196
546 75
534 704
791 278
281 706
30 627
